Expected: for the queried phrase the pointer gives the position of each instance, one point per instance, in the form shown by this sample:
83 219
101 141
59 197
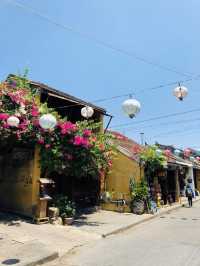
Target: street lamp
180 92
131 107
87 112
47 121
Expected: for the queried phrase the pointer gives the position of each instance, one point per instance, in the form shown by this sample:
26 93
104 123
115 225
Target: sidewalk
24 243
105 223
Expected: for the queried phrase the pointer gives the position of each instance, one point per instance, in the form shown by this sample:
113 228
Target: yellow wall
19 181
198 179
117 181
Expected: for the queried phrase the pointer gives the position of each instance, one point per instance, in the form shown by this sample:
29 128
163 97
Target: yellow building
20 165
125 166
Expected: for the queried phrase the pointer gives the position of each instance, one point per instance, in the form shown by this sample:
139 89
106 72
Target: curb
49 258
29 254
153 216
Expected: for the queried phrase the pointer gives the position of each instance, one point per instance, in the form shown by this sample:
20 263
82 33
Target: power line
145 89
164 124
176 131
168 134
128 94
95 40
157 118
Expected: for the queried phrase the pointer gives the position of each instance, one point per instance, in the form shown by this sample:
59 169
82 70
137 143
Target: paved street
172 239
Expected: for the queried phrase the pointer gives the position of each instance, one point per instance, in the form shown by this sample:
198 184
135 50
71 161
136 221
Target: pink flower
24 124
36 123
34 111
3 116
18 135
87 132
67 127
5 125
78 140
85 142
109 163
47 146
81 141
41 141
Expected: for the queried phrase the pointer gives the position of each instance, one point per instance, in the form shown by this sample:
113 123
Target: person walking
189 195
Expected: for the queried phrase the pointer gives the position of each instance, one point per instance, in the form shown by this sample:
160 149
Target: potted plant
139 193
66 208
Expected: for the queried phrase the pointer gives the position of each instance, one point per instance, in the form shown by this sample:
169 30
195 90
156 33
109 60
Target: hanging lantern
47 121
187 152
177 152
167 152
87 112
180 92
13 121
131 107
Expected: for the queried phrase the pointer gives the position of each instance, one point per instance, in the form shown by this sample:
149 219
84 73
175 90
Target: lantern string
95 40
133 93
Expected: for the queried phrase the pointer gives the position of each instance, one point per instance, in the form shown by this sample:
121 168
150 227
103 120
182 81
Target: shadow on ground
12 219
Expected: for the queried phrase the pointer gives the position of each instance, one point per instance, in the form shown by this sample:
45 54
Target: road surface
170 240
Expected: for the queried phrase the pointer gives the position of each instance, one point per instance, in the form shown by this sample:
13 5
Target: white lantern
180 92
47 121
131 107
13 121
87 112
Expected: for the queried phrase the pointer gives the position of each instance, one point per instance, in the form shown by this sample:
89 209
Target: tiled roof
64 95
127 146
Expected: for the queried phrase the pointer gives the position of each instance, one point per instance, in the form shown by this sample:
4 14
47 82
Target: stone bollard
54 216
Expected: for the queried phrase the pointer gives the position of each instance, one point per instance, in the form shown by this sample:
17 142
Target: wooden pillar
177 195
35 179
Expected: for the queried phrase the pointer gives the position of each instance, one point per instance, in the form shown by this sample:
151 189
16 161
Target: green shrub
65 206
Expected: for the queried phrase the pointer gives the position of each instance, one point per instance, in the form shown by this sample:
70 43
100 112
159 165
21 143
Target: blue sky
164 32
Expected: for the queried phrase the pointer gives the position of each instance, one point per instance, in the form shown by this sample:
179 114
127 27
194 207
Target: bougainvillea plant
68 148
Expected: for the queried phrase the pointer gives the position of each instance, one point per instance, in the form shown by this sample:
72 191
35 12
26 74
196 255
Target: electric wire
34 11
94 39
163 124
157 118
130 93
180 133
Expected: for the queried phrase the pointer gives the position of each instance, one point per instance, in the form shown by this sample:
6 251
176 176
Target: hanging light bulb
180 92
13 121
87 112
131 107
47 121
